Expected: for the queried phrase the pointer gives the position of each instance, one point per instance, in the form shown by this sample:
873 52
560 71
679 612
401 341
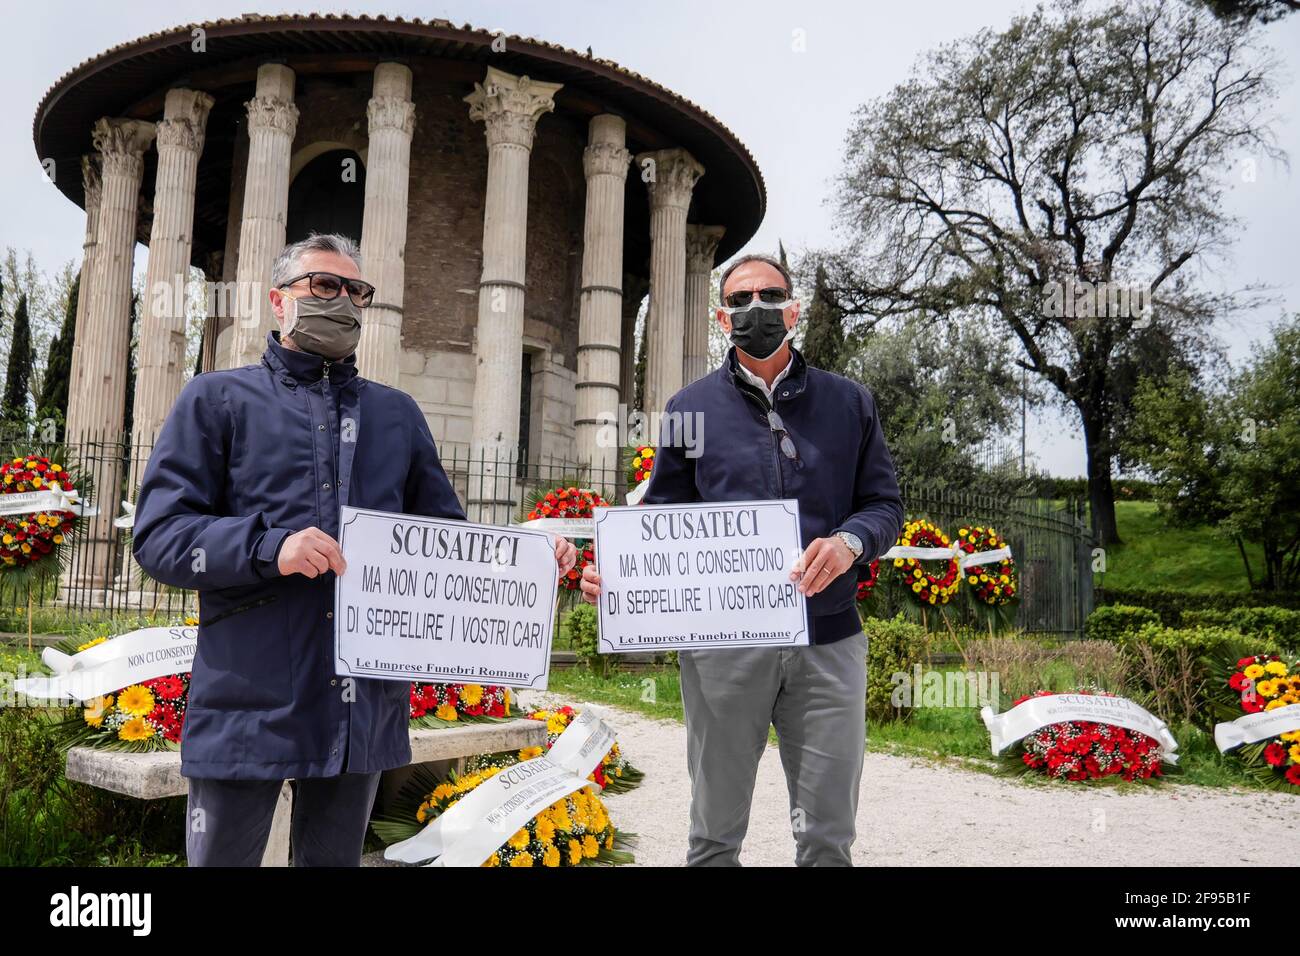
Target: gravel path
915 812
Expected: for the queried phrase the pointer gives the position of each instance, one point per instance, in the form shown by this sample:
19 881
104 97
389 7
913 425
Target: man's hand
590 584
824 560
310 552
566 554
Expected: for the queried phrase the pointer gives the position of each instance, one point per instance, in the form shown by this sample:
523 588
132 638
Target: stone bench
152 776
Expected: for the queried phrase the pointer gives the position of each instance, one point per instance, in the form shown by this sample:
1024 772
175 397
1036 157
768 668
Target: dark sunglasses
327 285
772 295
786 444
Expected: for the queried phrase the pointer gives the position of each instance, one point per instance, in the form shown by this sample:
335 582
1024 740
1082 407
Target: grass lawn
1155 555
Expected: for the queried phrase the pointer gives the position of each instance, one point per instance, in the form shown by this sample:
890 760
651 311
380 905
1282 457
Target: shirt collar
303 367
757 380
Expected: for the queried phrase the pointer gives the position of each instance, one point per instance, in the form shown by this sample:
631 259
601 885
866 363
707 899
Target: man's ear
277 304
724 320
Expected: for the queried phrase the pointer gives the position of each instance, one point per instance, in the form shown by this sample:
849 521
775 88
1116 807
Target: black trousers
229 821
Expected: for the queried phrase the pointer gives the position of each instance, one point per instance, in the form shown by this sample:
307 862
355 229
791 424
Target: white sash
1252 728
47 499
1034 714
482 820
108 667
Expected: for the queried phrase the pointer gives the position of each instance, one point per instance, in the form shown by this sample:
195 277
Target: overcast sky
735 59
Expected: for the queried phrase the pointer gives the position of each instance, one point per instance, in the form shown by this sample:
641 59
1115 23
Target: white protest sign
441 600
1034 714
1252 728
108 667
716 574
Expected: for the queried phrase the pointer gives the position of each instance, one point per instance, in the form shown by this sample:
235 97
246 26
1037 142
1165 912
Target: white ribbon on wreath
47 499
477 824
1252 728
964 559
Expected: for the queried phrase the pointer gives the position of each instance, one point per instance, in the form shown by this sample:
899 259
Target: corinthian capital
272 112
90 181
121 144
607 159
510 106
185 117
670 176
702 246
391 112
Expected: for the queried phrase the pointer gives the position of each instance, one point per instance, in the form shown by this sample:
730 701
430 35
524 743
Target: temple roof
131 80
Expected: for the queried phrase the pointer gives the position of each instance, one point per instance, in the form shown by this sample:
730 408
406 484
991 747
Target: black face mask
759 330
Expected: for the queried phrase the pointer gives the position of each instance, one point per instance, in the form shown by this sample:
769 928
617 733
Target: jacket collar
302 368
789 387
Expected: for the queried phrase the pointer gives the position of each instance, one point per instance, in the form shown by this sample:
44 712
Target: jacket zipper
776 450
331 411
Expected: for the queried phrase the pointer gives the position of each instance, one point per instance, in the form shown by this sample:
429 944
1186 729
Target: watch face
852 540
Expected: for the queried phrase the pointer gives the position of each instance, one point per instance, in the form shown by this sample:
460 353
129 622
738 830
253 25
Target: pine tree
823 336
53 401
13 406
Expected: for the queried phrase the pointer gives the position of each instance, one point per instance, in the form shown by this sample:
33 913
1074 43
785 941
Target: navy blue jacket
843 477
246 457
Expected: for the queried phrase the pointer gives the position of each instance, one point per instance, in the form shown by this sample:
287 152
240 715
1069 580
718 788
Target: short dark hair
772 261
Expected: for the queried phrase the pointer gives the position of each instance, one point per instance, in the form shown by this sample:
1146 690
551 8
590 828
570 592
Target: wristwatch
853 541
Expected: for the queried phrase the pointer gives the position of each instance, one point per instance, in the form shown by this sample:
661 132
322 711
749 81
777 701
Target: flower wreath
927 588
571 503
1084 750
437 705
1258 683
865 584
638 468
27 538
143 717
996 583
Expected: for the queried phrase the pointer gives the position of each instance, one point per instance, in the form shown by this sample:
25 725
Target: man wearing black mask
240 502
775 428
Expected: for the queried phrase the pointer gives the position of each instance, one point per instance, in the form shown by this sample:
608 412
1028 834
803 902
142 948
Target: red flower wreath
866 584
993 583
26 538
638 470
571 503
927 588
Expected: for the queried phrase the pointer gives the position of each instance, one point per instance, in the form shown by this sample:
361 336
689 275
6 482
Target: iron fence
1051 546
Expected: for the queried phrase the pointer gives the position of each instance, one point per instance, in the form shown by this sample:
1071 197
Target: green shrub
1111 622
894 646
1169 667
582 628
1277 624
1172 604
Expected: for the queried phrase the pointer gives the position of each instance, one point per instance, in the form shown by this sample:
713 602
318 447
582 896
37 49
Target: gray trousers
815 696
229 821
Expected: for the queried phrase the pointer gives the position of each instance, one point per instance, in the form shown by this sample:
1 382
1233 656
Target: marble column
605 163
672 177
509 107
161 362
106 344
701 247
383 230
272 122
91 183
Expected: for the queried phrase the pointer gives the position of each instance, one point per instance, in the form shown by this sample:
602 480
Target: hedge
894 646
1277 624
1170 604
1113 621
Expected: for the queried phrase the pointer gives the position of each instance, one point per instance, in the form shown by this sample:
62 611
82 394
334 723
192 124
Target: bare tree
1058 177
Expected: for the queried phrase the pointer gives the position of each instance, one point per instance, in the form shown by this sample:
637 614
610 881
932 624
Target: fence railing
1051 546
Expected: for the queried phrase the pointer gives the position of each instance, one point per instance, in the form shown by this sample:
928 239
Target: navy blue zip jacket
843 477
246 457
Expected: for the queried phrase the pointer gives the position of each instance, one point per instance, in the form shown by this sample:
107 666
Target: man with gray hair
240 502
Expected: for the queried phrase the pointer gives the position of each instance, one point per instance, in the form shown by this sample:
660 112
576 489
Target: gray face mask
330 328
